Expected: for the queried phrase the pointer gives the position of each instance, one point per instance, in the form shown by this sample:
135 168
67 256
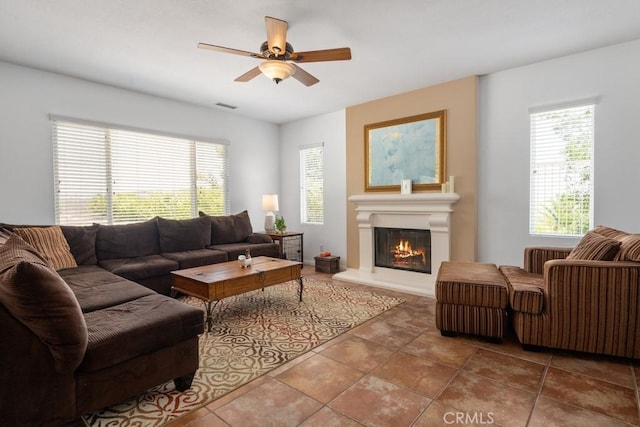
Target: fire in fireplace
403 249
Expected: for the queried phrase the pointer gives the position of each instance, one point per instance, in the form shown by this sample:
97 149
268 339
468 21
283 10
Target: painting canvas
409 148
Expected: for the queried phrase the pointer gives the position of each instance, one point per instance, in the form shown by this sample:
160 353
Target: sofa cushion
230 228
96 288
51 243
127 240
38 297
526 293
82 242
140 268
595 247
136 328
197 257
259 238
256 249
184 234
471 283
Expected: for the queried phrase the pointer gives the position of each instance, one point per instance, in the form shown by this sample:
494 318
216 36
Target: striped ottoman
472 298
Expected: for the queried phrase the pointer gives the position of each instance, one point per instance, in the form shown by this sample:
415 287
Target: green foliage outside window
130 207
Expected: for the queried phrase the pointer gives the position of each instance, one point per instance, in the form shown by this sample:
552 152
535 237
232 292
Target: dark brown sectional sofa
75 340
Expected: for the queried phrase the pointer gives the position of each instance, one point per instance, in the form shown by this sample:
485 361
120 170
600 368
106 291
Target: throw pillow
39 299
15 250
630 248
230 228
595 247
177 235
82 242
50 242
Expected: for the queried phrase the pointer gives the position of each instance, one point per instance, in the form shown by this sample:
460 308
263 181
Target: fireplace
426 212
403 249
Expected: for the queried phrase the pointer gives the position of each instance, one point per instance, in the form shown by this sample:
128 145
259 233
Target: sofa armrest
593 305
536 256
258 238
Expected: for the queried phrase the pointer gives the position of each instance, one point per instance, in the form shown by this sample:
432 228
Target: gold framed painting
409 148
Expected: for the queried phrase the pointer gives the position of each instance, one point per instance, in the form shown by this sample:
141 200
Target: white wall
331 129
27 96
611 73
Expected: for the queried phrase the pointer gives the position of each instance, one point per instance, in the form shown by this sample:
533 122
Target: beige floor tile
327 417
376 402
386 333
320 377
446 350
480 397
551 413
271 403
589 393
416 373
614 370
358 353
506 369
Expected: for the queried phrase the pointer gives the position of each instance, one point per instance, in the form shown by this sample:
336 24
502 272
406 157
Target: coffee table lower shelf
212 283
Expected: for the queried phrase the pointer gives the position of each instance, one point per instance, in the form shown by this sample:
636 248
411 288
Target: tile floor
396 370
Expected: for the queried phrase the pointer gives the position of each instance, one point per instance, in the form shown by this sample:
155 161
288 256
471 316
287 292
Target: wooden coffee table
211 283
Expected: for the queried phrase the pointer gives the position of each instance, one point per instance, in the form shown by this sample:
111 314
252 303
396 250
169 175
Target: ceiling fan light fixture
277 70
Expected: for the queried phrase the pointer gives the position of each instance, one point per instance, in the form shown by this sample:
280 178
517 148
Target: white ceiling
397 46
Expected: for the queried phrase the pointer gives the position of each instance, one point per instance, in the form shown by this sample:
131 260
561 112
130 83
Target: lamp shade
270 202
277 70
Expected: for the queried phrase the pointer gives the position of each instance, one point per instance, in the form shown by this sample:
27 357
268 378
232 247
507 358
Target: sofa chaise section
83 338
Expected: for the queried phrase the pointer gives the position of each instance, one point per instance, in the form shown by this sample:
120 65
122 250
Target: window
312 184
110 175
561 193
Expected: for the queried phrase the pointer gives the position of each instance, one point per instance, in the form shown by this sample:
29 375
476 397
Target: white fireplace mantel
424 211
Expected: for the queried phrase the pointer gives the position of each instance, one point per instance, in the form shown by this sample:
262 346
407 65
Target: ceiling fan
279 57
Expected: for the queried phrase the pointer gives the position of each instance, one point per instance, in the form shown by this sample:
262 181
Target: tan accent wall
459 98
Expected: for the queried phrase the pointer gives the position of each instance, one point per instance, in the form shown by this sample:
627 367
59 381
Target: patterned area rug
252 334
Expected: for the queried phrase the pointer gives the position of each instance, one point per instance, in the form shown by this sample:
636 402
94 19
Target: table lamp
269 204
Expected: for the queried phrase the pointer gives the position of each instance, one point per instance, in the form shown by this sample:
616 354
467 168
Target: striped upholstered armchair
585 298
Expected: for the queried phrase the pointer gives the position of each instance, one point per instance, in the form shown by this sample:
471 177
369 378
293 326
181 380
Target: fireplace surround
417 211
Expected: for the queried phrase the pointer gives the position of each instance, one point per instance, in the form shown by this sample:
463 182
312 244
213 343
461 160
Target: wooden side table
291 245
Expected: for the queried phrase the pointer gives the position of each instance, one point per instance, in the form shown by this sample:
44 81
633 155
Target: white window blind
561 180
110 175
312 184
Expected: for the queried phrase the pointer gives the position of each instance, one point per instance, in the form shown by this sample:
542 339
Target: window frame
304 213
193 150
558 186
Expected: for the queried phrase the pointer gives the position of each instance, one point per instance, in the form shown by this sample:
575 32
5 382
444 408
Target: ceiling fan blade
276 35
249 75
229 50
303 77
339 54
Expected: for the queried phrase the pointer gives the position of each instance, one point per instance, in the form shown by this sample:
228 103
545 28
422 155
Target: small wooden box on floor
327 264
